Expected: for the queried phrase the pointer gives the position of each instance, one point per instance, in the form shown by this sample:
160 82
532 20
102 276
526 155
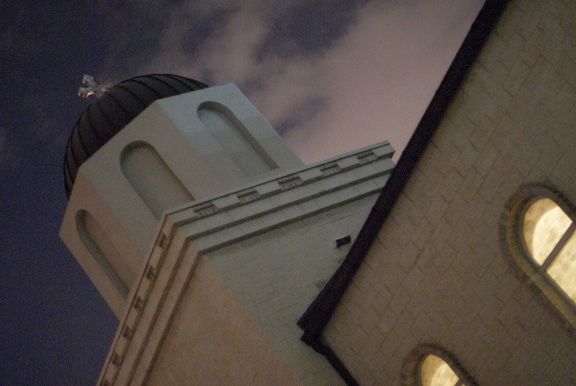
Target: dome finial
114 107
90 87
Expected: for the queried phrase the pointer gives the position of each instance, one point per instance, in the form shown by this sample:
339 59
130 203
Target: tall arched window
550 240
430 365
540 233
434 371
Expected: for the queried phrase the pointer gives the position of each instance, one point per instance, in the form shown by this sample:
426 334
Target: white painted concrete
182 148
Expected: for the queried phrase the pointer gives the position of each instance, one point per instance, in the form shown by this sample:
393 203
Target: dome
114 110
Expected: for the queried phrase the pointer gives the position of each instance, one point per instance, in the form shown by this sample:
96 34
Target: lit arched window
540 233
549 238
434 371
430 365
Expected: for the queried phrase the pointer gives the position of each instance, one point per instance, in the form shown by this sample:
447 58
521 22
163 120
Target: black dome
114 110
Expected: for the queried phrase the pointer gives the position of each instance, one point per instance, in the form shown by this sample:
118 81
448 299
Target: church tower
206 234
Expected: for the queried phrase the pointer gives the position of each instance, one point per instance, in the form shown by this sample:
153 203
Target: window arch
434 371
541 235
429 365
548 234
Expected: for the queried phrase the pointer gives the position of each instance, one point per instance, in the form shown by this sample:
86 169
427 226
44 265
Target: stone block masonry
438 272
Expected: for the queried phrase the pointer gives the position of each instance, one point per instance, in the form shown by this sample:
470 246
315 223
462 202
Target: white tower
175 187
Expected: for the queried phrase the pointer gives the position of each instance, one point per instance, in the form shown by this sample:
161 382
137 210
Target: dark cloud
133 30
309 27
199 29
302 112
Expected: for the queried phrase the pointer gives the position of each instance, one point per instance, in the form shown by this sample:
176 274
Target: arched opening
247 154
104 252
434 371
152 178
430 365
550 240
539 232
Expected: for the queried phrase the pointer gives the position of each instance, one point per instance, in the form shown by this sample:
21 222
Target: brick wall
438 272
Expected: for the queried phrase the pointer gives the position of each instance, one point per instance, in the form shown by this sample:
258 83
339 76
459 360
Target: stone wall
439 271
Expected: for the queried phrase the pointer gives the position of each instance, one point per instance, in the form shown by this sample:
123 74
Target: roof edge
320 311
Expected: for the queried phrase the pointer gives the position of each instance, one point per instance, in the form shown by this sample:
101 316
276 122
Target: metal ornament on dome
90 87
113 108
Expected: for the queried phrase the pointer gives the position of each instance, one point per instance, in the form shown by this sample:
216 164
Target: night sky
331 76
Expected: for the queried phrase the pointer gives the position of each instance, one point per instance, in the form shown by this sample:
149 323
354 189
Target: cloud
380 77
369 81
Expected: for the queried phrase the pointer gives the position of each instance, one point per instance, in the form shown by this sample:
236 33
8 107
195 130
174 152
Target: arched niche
152 178
104 252
247 154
